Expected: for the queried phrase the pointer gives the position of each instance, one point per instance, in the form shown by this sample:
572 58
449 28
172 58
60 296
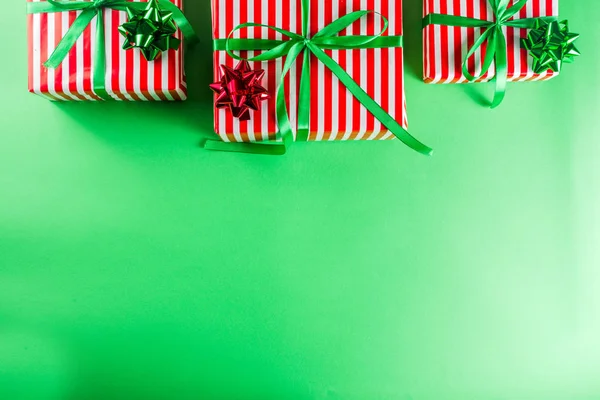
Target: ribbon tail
501 69
387 120
100 60
70 38
304 100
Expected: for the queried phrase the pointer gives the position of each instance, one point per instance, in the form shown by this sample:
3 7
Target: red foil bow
240 90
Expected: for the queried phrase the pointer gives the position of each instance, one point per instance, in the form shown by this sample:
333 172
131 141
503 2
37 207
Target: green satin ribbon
551 44
290 49
89 10
493 36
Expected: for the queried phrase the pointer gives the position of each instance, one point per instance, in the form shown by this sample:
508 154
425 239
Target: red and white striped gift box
335 113
444 47
128 75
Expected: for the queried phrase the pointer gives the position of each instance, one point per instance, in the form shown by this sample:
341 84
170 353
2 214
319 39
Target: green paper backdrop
134 265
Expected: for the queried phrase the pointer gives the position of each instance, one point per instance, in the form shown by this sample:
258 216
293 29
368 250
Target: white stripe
66 76
335 86
137 55
364 83
37 63
235 13
122 66
264 65
321 80
392 68
51 34
92 28
477 56
293 70
108 20
250 13
152 66
437 47
79 51
451 55
426 61
464 40
349 69
222 113
514 75
530 73
278 36
164 82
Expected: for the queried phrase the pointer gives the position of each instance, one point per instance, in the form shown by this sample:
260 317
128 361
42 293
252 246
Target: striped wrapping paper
444 47
335 113
129 76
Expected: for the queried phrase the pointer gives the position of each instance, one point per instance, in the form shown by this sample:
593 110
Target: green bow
151 30
297 44
89 10
493 35
550 44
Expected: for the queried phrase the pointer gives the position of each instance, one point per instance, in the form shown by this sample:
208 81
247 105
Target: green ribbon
551 44
290 49
493 35
152 30
90 10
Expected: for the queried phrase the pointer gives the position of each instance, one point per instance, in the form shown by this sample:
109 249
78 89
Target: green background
134 265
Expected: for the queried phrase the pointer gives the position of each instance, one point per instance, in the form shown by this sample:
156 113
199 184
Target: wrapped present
331 69
463 42
107 49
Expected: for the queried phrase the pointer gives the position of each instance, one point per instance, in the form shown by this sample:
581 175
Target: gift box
335 113
445 47
127 74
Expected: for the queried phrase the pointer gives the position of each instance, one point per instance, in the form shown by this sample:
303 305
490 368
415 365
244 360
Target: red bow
240 90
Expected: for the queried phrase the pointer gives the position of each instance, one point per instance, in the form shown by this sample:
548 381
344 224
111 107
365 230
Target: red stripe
523 52
399 114
457 48
73 63
371 67
357 70
115 66
229 62
272 76
483 12
471 37
430 34
43 52
510 40
342 116
314 84
328 78
444 43
58 82
385 69
243 15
